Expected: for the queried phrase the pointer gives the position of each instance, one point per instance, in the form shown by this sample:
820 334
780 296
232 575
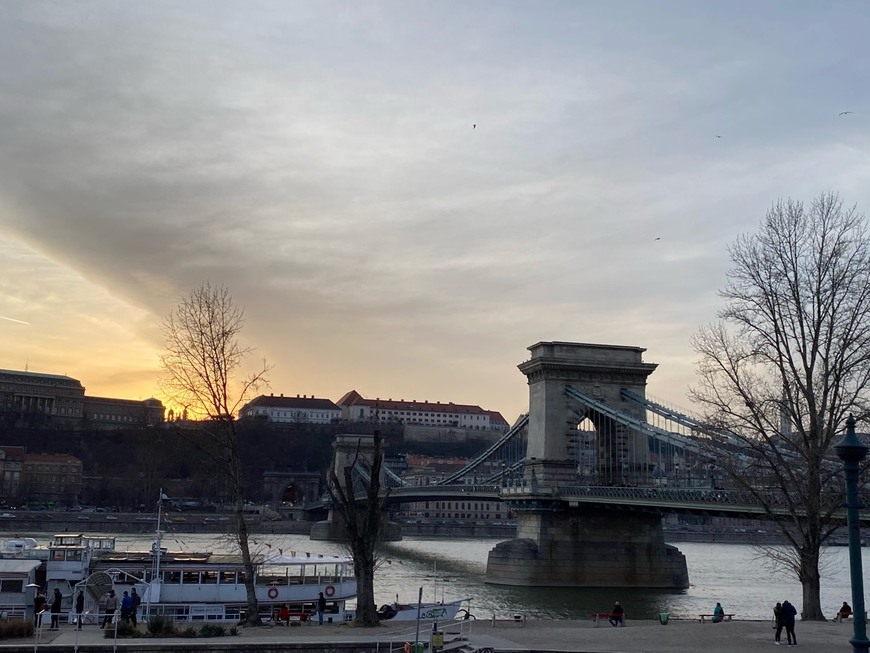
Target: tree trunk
252 615
810 579
366 609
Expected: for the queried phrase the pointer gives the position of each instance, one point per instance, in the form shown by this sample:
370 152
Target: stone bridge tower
573 544
598 371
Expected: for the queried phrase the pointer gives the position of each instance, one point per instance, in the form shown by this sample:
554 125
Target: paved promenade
535 636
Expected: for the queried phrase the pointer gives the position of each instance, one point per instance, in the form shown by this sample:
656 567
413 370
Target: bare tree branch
787 362
203 356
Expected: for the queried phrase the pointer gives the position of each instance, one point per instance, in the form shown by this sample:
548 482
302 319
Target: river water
447 569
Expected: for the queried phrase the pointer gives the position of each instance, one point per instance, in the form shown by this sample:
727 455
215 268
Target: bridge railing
680 495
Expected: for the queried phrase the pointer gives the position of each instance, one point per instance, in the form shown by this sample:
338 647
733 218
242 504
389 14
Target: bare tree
785 364
203 356
364 521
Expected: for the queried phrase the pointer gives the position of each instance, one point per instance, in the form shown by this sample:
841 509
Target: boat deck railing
275 579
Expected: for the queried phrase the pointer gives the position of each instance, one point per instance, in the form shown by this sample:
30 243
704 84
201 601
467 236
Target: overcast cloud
320 160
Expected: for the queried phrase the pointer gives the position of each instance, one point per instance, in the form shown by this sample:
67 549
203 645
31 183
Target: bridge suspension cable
515 433
632 422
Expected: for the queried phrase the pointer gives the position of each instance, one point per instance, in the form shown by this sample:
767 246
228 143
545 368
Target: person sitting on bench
617 615
844 612
718 614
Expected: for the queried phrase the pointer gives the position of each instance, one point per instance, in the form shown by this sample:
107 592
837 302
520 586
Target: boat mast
155 568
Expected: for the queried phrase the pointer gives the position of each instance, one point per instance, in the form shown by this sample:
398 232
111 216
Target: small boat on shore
426 611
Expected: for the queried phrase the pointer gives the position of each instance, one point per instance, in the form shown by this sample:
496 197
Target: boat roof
18 565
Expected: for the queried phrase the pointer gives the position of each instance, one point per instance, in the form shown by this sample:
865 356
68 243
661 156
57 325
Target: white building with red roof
355 408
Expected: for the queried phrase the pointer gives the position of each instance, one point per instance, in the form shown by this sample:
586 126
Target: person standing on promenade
38 607
56 600
80 608
321 608
111 606
788 613
126 607
777 622
617 615
134 611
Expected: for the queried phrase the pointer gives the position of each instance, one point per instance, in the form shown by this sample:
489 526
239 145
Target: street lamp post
852 451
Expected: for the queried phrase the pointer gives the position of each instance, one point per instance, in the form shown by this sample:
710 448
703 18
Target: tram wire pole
852 451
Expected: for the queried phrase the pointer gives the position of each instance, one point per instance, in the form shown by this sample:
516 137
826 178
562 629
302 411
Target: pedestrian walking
788 613
56 600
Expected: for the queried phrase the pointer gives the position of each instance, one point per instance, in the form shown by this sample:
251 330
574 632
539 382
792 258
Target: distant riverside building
429 470
294 410
39 478
33 399
356 408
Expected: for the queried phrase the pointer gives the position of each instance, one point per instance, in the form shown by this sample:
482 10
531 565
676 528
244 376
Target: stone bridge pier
581 545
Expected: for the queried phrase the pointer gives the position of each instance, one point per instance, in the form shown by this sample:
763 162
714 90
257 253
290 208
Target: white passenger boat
189 586
211 586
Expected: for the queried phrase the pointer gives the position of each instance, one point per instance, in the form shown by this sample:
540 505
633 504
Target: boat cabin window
172 577
208 577
11 585
74 555
190 578
58 555
228 577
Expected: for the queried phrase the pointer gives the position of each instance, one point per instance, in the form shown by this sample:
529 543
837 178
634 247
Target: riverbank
22 523
509 636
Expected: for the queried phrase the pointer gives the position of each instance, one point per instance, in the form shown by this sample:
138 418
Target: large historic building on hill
292 410
355 407
33 399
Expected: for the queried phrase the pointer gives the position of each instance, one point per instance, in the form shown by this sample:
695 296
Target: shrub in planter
124 630
11 628
161 627
212 630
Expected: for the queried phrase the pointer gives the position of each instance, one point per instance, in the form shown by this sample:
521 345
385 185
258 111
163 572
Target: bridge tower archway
598 371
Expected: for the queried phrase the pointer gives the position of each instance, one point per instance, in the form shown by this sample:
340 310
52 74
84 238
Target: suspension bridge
589 471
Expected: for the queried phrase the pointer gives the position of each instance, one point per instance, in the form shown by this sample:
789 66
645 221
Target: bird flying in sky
474 126
844 113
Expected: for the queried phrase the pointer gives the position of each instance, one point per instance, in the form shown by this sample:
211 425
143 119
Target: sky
404 196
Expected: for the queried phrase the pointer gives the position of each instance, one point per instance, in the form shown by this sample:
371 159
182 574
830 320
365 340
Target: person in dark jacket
38 608
134 611
80 608
844 612
56 600
617 615
788 613
777 622
321 607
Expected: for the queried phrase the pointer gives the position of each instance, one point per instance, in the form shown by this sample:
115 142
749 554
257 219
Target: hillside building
37 400
356 408
291 410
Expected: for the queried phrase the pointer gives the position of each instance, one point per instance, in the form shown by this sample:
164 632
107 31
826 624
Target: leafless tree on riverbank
787 362
203 356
